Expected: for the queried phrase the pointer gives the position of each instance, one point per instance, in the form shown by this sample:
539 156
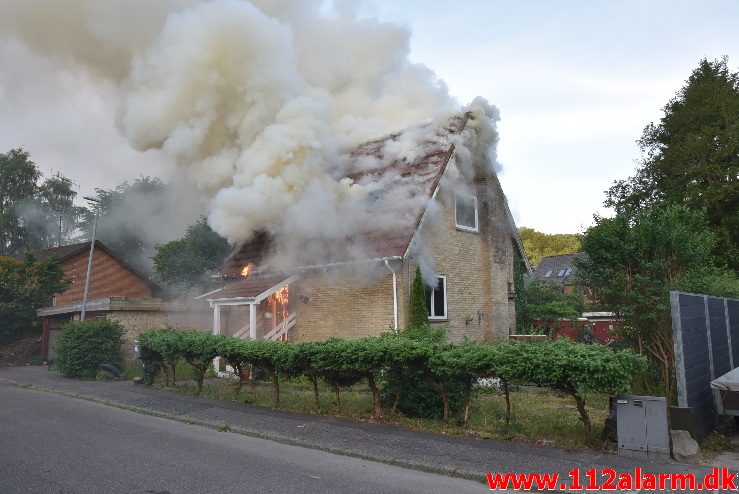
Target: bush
422 375
83 346
573 368
412 386
162 348
199 350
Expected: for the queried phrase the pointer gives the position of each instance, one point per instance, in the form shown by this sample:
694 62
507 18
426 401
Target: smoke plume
257 103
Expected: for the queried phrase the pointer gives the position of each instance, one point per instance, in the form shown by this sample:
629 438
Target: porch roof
250 290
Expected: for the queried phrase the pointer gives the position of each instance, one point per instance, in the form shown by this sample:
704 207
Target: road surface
56 444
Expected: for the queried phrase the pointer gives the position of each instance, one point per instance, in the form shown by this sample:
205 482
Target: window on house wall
549 274
561 273
436 299
465 211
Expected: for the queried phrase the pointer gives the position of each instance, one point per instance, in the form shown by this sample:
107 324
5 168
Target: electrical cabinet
641 423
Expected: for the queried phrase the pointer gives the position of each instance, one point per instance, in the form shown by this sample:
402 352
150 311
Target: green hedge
83 346
408 361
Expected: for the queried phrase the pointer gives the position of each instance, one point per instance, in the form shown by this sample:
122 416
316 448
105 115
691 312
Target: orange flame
245 271
280 299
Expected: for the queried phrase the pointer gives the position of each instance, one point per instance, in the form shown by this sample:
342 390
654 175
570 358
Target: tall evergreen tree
419 314
691 157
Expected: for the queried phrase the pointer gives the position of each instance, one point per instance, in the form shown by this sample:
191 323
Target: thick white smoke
256 102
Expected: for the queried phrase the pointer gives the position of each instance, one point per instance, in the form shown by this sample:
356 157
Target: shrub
266 354
163 348
83 346
329 364
422 374
573 368
461 365
199 350
300 359
411 385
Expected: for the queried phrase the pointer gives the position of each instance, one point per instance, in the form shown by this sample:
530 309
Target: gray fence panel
719 337
732 314
696 359
706 337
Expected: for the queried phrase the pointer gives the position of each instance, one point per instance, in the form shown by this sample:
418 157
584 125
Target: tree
50 217
33 216
136 216
419 314
635 259
691 157
539 245
18 178
546 302
25 286
186 262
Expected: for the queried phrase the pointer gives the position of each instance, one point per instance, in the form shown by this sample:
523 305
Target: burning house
452 220
255 104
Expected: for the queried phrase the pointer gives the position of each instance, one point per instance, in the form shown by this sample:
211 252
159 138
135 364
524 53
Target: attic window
549 274
568 272
465 212
561 273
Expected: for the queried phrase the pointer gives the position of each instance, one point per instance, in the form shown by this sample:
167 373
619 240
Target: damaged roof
426 170
254 286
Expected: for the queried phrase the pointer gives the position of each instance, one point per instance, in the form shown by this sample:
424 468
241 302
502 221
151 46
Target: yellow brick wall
342 305
478 267
137 321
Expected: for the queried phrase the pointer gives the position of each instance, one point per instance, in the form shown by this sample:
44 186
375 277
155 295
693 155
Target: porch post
45 339
253 321
217 330
216 319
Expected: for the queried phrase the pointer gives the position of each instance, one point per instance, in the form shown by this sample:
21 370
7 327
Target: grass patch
539 416
131 369
720 440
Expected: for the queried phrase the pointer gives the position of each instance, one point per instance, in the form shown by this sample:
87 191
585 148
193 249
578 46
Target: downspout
395 295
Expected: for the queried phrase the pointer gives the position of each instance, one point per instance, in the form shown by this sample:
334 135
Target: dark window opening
436 299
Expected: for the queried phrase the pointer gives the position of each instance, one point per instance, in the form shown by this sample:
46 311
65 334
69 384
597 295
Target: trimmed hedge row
572 368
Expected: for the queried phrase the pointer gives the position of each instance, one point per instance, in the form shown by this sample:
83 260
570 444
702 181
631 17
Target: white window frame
477 221
549 274
446 303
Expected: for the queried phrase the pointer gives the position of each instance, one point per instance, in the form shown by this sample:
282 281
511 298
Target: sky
575 82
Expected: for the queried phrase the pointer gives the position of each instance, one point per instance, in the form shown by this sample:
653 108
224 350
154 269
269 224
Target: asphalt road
56 444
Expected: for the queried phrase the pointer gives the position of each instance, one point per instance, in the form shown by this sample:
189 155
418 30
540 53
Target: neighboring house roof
424 172
113 304
64 252
68 251
558 269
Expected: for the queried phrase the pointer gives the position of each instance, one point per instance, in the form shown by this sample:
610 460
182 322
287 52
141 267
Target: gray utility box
641 423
